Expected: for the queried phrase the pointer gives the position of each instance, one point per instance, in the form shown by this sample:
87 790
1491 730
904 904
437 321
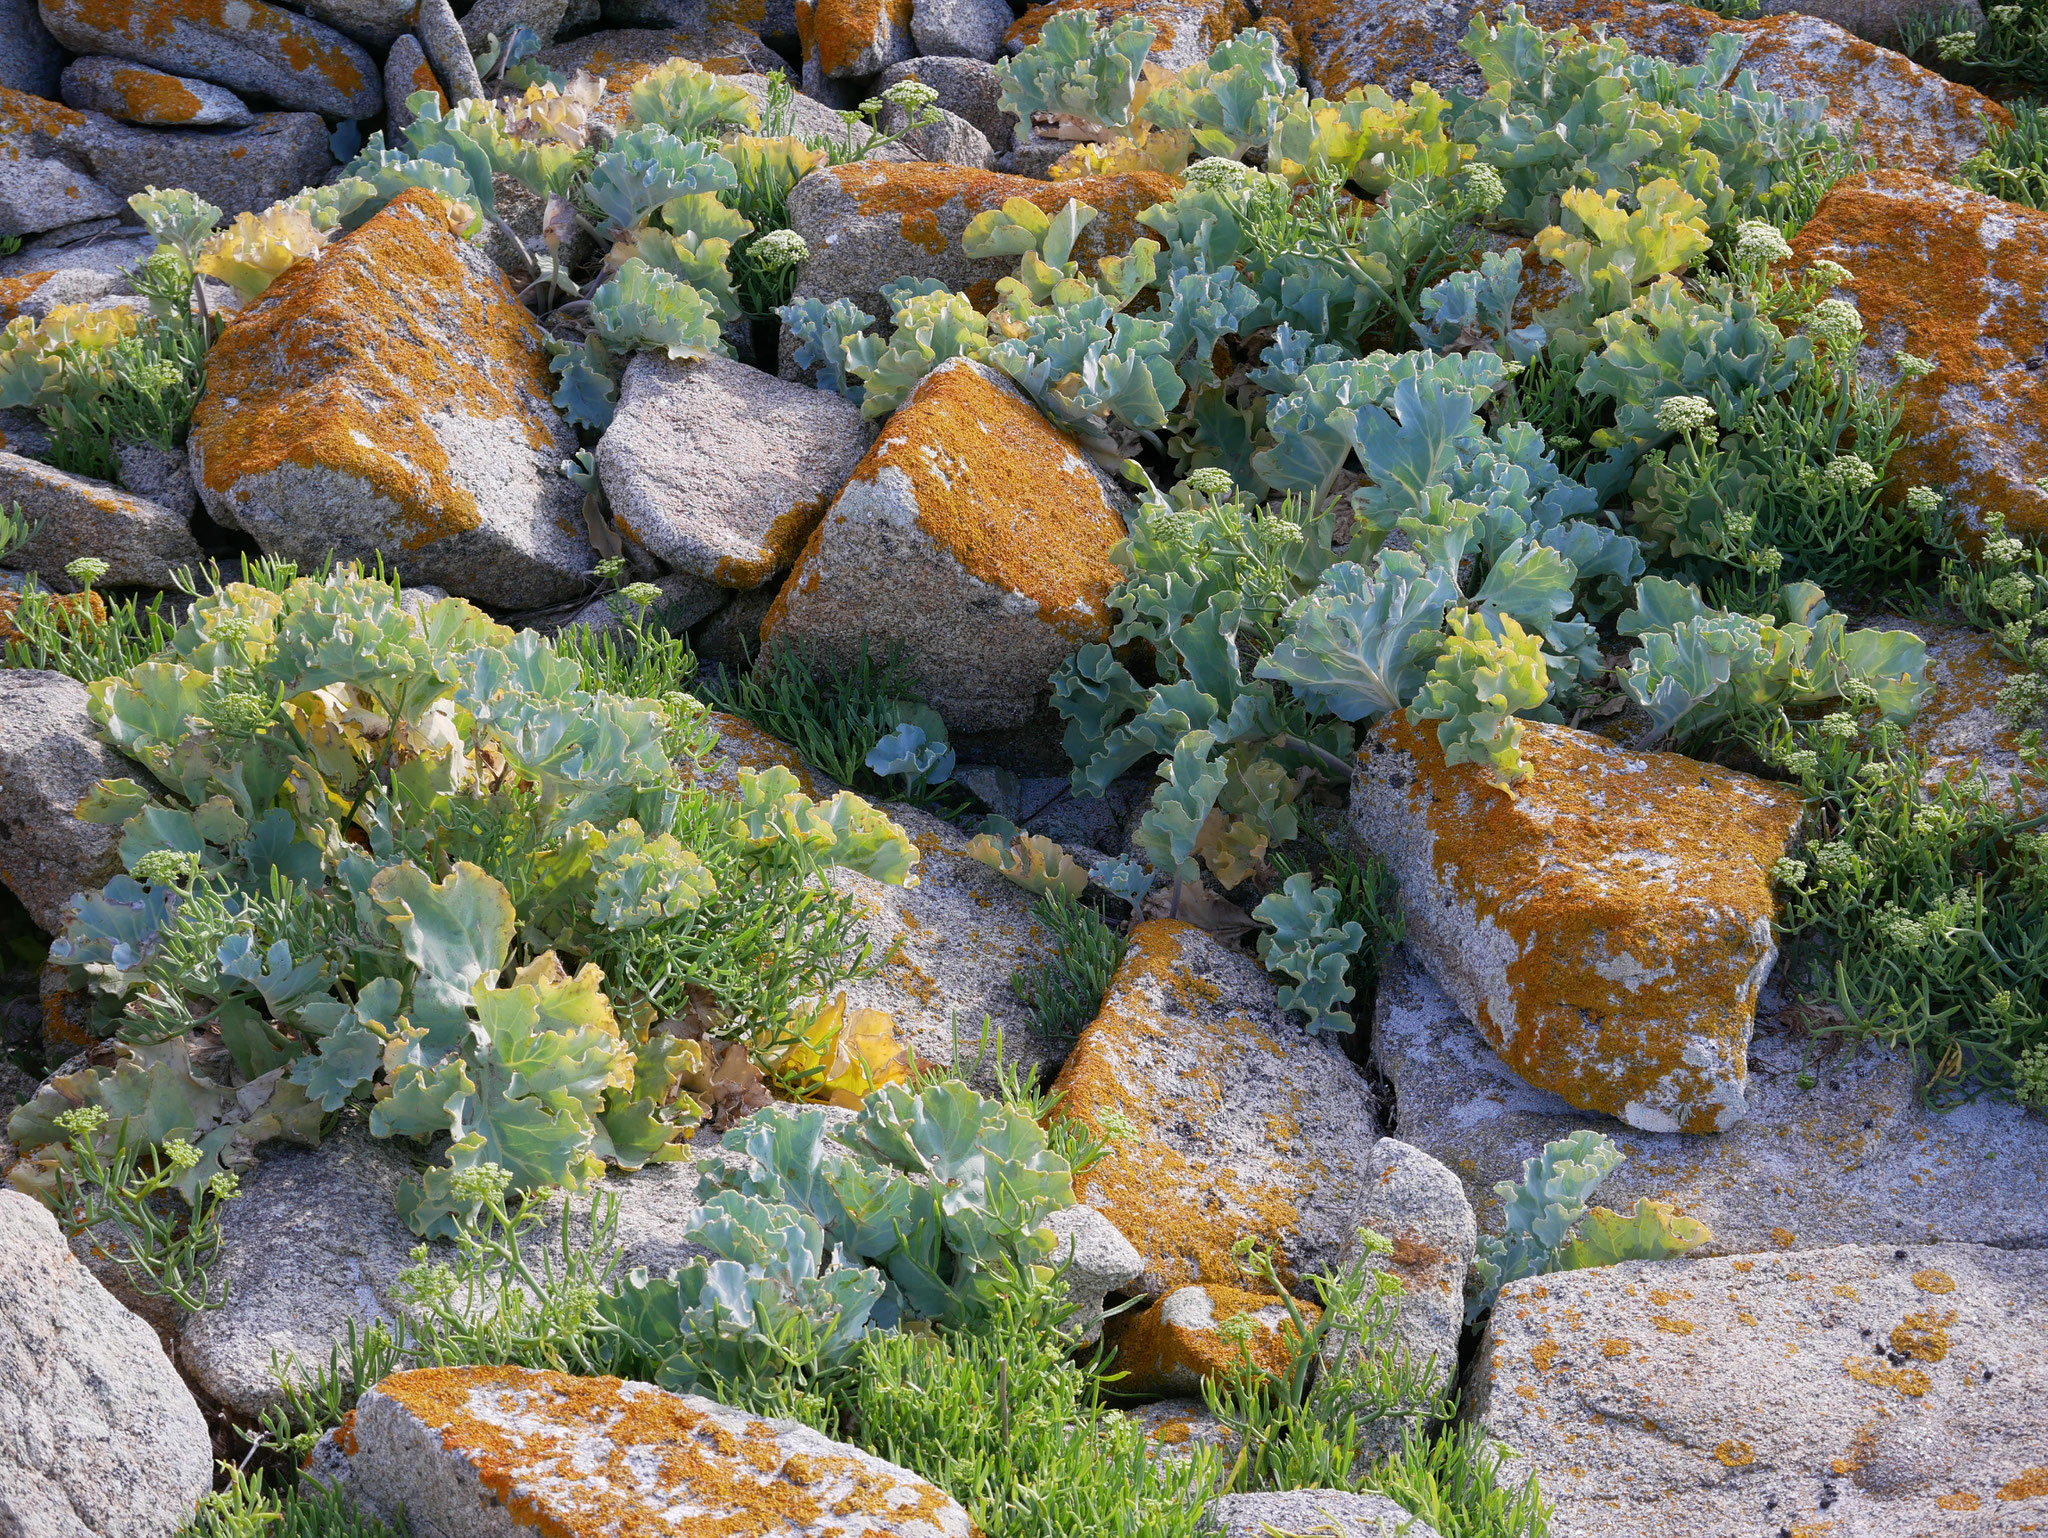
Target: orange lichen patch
849 37
1931 1280
1215 21
423 79
68 611
67 1011
1672 1326
1615 914
1924 1335
1960 1500
2029 1484
161 23
1734 1454
1614 1345
1784 1238
577 1457
32 124
1171 1433
934 203
1543 1354
780 546
1910 1382
1176 1343
743 745
15 292
344 361
1007 495
1954 276
150 96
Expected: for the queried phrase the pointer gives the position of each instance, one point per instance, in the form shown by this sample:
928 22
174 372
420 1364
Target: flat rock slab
136 93
1322 1513
99 1438
50 757
1608 926
143 542
393 398
1859 1392
851 39
1856 1159
1223 1116
500 1452
1176 1343
1960 729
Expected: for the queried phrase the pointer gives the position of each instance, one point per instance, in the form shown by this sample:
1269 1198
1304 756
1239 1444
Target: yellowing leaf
1652 1232
250 254
1035 862
845 1054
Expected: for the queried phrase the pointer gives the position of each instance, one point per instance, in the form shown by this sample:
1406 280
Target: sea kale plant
397 855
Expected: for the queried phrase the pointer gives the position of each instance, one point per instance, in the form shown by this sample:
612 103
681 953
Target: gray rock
67 237
1960 730
541 17
1099 1261
162 476
22 432
141 540
406 71
721 470
968 88
732 637
952 140
774 19
111 255
250 46
1176 1429
42 192
98 1436
975 536
40 293
1862 1391
49 759
30 59
948 947
239 170
447 49
1854 1159
1223 1116
686 601
330 426
1875 21
1035 157
135 93
1608 926
968 29
376 24
449 1448
1324 1513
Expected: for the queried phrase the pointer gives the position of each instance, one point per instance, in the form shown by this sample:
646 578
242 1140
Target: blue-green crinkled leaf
1306 945
1187 792
645 167
587 395
351 1049
113 932
822 332
645 307
1077 70
1360 644
1489 672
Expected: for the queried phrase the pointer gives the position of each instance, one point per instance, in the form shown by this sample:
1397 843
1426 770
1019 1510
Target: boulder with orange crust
975 536
1607 927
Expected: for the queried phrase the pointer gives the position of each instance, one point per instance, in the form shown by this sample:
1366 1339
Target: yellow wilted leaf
1141 147
1035 862
847 1053
77 325
250 254
773 165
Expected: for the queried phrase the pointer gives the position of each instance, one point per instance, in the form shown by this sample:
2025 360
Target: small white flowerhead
609 569
82 1121
1758 240
913 96
2006 15
180 1154
1802 762
1214 171
86 570
781 248
1924 500
225 1185
1789 871
1831 274
481 1183
1836 323
1484 188
1850 473
1212 481
167 867
1955 47
1685 414
640 594
1839 725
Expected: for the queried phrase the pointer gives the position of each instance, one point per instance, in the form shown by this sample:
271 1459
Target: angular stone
141 541
376 24
99 1438
1183 31
1325 1513
1855 1159
49 758
393 398
871 224
975 536
846 40
1177 1429
1910 117
1243 1123
951 140
685 601
1861 1391
44 180
947 949
1956 277
30 59
406 72
135 93
249 45
968 88
1875 21
721 470
1096 1261
968 29
1608 925
496 1452
498 17
440 34
1175 1344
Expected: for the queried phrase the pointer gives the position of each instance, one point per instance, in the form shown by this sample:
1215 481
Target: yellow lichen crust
1224 1119
1957 277
1172 1346
851 37
743 745
577 1457
1607 928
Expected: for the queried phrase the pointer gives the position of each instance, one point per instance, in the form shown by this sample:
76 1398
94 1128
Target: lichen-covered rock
376 24
1960 728
973 534
968 88
1861 1391
1176 1429
721 470
1095 1260
49 759
393 397
772 20
1183 31
1175 1343
44 183
1324 1513
135 93
1909 116
142 541
1959 278
498 1452
1608 926
968 29
1850 1157
946 950
98 1436
870 224
1224 1117
949 139
1875 21
30 59
849 40
447 50
743 745
407 71
246 45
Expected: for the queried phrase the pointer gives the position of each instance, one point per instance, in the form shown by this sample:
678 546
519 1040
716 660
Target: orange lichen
850 37
1672 1326
1924 1335
1630 894
1543 1354
1931 1280
784 540
67 612
743 745
573 1457
1910 1382
1160 1355
33 123
1784 1238
150 96
1960 1500
17 291
1614 1346
1734 1454
342 364
2028 1484
161 24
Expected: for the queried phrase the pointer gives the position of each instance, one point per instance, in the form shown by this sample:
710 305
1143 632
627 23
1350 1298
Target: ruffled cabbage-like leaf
1077 72
253 252
844 830
1654 1231
1306 945
388 172
643 307
647 167
1487 672
822 332
1031 860
1189 783
1361 644
930 329
684 98
180 221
